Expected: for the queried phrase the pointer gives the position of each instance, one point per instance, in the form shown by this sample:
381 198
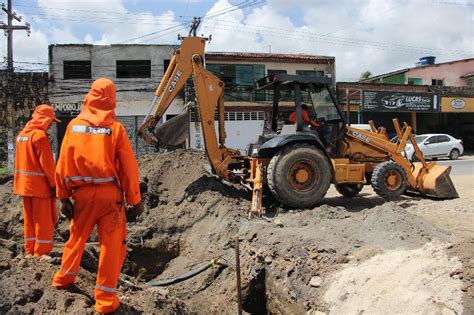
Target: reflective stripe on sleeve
106 289
89 179
29 173
44 241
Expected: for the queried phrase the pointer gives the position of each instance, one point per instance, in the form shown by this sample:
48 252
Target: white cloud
374 35
379 36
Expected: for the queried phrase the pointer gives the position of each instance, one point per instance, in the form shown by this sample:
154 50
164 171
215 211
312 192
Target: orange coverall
34 181
97 167
305 117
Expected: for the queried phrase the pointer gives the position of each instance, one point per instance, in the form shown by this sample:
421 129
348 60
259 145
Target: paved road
463 166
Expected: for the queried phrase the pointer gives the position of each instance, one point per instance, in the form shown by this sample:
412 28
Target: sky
364 35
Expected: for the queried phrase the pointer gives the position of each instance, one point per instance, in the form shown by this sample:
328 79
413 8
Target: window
133 69
437 82
275 71
431 140
323 105
470 82
420 139
415 81
239 80
77 69
237 75
443 139
166 64
310 73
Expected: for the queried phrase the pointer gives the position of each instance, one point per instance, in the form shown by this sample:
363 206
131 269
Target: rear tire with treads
389 180
299 175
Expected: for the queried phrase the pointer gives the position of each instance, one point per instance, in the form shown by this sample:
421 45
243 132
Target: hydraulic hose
187 275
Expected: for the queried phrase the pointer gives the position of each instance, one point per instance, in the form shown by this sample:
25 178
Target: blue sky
375 35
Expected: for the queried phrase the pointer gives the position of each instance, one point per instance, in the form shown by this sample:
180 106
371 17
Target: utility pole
9 28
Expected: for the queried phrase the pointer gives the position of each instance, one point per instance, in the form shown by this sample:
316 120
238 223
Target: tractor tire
349 190
389 180
299 175
454 154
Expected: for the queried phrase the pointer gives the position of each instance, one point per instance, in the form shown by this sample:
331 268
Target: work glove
67 209
133 212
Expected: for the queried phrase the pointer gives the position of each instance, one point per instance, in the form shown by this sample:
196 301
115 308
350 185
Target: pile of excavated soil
291 261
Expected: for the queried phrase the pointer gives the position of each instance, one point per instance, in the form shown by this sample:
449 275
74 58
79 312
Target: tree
365 75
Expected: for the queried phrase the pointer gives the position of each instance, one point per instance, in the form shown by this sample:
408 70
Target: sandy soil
346 256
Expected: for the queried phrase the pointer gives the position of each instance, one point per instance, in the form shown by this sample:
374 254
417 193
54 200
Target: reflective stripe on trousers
106 289
44 241
68 273
89 179
29 173
30 238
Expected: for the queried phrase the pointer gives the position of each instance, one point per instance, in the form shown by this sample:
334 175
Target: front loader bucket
174 131
436 182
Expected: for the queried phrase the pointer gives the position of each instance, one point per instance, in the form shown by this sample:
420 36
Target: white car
435 146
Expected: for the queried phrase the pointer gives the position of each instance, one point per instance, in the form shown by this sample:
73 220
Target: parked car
435 146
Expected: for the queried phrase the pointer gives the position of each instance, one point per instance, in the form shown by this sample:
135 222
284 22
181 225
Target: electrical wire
312 37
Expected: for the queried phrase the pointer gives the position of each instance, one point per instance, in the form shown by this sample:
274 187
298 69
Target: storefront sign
67 109
392 101
457 104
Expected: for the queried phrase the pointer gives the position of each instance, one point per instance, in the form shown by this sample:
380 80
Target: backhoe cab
297 163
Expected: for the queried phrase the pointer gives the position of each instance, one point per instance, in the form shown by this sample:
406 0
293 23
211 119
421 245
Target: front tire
349 190
389 180
454 154
299 175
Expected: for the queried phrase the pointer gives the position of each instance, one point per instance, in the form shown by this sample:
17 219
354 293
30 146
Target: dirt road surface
351 256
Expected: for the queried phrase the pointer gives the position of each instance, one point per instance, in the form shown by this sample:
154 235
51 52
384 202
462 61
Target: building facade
454 73
137 71
432 98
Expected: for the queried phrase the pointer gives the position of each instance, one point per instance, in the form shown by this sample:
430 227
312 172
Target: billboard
457 104
395 101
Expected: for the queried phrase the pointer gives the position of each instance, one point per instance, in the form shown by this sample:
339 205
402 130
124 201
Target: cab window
323 105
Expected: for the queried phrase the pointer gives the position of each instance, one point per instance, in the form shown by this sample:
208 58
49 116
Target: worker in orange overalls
34 181
305 115
97 169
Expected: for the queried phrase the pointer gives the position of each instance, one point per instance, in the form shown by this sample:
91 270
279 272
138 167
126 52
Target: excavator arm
188 61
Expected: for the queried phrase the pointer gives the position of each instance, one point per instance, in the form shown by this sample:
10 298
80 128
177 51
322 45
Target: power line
354 42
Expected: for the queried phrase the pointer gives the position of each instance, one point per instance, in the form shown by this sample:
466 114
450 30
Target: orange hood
99 104
41 118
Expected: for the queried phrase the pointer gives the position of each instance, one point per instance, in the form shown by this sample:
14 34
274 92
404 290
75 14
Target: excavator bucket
436 182
174 131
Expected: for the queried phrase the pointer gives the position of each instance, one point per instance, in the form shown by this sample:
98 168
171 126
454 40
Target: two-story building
137 70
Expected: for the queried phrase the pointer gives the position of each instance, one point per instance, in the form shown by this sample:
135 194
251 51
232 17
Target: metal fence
131 124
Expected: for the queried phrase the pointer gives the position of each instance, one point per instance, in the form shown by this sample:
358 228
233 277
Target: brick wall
19 94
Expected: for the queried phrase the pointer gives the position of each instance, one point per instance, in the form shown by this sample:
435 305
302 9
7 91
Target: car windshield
420 139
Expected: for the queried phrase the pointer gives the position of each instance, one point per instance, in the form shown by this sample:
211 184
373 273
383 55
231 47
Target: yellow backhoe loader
295 162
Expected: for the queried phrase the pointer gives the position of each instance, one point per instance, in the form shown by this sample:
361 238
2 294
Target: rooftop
389 74
250 56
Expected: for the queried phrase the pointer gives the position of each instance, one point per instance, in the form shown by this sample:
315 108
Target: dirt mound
191 217
362 287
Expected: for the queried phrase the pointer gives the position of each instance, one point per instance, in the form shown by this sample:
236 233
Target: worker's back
30 177
90 153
